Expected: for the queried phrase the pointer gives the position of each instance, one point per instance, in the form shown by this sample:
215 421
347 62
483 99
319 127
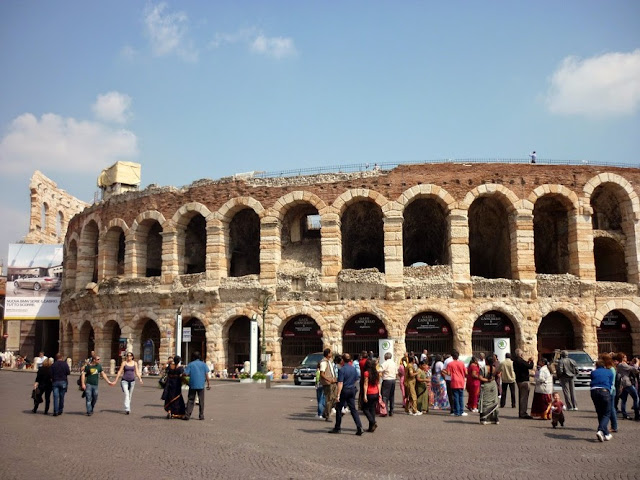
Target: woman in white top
541 406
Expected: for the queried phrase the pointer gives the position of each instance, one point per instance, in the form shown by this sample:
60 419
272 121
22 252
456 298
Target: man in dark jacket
521 369
59 372
567 370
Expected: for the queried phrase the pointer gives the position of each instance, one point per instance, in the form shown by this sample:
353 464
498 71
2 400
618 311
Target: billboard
34 282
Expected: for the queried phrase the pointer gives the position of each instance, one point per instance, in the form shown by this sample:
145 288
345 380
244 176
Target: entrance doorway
300 337
362 332
488 326
429 330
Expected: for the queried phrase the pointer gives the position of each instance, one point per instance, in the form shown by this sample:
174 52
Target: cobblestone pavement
254 432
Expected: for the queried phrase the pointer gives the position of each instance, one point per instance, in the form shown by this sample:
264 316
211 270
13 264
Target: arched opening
114 245
362 236
362 332
614 334
153 254
300 337
70 265
489 326
87 341
551 236
198 340
424 233
244 243
195 245
555 333
300 236
606 209
239 348
112 335
44 213
59 223
489 239
429 330
67 341
88 255
150 343
609 259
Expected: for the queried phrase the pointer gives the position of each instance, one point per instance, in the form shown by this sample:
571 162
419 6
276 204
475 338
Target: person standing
39 360
557 410
59 373
533 156
423 386
388 371
628 374
473 385
447 379
541 405
89 382
346 392
458 373
601 383
172 394
197 371
410 374
44 386
128 371
488 405
521 369
328 381
566 370
439 386
371 389
505 369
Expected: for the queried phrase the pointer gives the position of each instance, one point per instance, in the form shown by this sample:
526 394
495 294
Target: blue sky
205 89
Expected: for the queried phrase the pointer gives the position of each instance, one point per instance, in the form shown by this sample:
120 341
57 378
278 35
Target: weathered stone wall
59 208
331 295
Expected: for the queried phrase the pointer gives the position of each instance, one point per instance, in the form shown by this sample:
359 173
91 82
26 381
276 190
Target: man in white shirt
39 360
447 379
388 371
481 360
424 355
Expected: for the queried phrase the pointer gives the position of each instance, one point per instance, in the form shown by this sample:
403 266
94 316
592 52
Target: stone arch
425 308
358 194
291 350
88 251
627 206
144 327
286 314
426 213
113 248
285 202
444 198
70 261
299 231
629 308
190 222
237 348
568 197
516 317
145 238
226 212
491 212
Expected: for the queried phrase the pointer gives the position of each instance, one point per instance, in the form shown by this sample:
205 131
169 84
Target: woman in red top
372 392
473 385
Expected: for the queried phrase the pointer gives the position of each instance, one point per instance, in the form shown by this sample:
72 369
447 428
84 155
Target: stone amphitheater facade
435 256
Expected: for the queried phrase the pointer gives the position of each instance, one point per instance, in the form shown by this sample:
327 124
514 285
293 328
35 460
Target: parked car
306 371
585 363
38 283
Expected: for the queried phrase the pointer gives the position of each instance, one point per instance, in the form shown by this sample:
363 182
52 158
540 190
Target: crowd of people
52 378
437 383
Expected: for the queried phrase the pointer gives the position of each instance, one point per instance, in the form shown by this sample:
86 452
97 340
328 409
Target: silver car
38 283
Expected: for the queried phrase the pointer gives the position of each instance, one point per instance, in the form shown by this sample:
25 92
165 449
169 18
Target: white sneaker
418 413
333 410
319 417
452 414
464 414
475 410
608 437
600 435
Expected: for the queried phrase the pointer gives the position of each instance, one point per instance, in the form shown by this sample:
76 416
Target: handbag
381 407
163 381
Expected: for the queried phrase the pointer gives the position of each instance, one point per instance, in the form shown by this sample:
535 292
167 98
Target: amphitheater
434 255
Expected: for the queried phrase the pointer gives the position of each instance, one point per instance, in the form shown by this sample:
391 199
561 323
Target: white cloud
113 107
608 84
168 33
63 144
276 47
128 52
245 35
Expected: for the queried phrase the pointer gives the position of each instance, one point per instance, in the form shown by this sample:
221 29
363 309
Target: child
557 411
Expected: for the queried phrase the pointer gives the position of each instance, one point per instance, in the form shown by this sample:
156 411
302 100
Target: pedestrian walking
508 377
198 373
43 386
89 380
566 371
346 391
128 371
473 385
371 395
329 382
60 372
388 371
319 393
488 403
172 394
601 383
557 411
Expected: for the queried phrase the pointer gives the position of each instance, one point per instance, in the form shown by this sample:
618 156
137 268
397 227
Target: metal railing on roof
363 167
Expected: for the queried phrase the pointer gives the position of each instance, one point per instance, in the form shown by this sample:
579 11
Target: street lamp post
265 306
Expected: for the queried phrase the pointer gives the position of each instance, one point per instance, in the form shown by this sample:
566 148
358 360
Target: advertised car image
306 371
38 283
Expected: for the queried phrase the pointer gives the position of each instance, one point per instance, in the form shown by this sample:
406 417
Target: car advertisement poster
34 282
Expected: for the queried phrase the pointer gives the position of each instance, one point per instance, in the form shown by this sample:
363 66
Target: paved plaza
254 432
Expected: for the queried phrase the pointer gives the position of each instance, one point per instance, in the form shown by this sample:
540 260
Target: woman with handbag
371 393
128 371
172 394
43 386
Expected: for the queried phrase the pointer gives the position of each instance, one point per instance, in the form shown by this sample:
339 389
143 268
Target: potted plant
245 378
259 377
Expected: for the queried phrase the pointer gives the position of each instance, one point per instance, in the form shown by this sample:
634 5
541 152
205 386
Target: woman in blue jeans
601 383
